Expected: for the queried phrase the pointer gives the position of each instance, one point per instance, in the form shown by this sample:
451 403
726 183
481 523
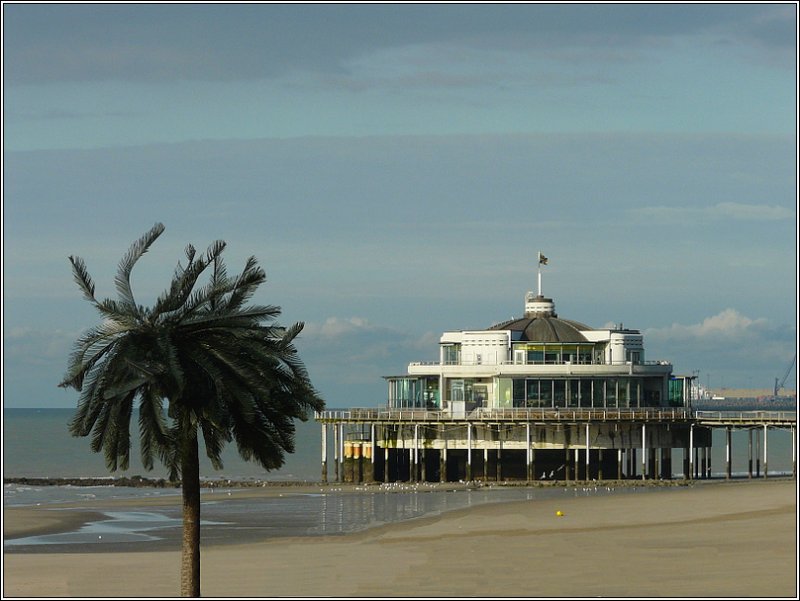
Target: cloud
32 346
213 43
347 358
719 212
727 324
738 350
336 327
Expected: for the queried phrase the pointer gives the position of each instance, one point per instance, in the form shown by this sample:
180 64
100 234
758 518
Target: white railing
520 414
747 416
474 362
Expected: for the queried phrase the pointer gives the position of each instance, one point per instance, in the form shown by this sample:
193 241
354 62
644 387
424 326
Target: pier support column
529 453
324 453
588 448
704 463
358 472
765 450
750 453
666 464
599 464
708 463
469 453
498 472
794 452
653 464
372 449
619 464
686 473
567 459
336 453
728 468
443 455
758 454
485 464
386 454
414 476
691 452
644 451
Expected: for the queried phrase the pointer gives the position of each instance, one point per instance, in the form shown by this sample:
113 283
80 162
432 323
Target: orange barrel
356 450
348 450
368 451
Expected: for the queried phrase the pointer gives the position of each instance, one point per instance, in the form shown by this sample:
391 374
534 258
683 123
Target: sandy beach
734 539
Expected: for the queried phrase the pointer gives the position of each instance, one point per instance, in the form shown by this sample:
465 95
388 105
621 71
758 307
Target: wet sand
735 539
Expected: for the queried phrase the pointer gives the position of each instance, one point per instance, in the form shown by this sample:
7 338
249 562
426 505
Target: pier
539 397
563 444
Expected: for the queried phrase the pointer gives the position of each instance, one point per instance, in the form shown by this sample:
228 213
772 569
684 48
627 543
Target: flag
542 259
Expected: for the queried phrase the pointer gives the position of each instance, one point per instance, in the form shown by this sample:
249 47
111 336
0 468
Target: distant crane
779 383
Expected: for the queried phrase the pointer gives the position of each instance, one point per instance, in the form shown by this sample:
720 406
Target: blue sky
396 168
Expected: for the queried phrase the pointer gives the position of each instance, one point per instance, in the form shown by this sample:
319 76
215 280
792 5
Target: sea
37 444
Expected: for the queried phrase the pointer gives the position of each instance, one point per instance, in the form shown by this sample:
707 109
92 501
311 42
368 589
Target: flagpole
539 265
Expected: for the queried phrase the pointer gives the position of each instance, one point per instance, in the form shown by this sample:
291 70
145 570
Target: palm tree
199 361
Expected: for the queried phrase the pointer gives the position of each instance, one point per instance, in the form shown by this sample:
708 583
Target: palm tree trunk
190 485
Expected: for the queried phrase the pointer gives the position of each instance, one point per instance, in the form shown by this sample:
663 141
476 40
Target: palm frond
153 430
82 278
137 249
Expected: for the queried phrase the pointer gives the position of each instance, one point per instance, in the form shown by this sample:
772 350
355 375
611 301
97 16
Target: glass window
451 354
546 393
585 392
519 392
573 392
505 391
611 392
559 393
675 392
535 356
598 393
623 392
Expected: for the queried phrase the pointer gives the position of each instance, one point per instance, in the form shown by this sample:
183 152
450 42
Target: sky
396 168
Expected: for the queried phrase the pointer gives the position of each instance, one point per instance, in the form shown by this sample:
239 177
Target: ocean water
36 443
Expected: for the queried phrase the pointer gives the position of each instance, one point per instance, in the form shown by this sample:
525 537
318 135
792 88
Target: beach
730 539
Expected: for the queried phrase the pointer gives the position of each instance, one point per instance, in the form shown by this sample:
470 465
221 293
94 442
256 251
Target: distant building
538 397
538 361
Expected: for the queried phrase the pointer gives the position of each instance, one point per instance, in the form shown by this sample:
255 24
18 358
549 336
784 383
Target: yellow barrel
367 451
348 449
356 450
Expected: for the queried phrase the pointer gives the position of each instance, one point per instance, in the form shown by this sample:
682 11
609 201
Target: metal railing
749 417
516 414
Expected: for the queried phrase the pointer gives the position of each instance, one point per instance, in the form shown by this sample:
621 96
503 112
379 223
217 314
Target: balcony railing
520 415
510 362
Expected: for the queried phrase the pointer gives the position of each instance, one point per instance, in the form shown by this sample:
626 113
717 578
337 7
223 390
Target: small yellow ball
560 513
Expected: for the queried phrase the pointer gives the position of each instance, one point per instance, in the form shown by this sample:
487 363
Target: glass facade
556 353
416 393
676 392
579 392
451 354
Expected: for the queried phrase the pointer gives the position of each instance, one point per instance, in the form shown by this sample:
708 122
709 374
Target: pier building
538 397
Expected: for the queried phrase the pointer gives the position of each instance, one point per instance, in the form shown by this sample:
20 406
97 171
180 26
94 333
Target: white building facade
539 361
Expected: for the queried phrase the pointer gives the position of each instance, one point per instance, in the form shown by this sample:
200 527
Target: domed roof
544 328
541 324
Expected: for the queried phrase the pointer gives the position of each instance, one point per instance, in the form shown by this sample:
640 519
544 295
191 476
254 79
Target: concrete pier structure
537 397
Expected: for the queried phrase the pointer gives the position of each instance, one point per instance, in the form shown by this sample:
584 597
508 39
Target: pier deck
600 440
